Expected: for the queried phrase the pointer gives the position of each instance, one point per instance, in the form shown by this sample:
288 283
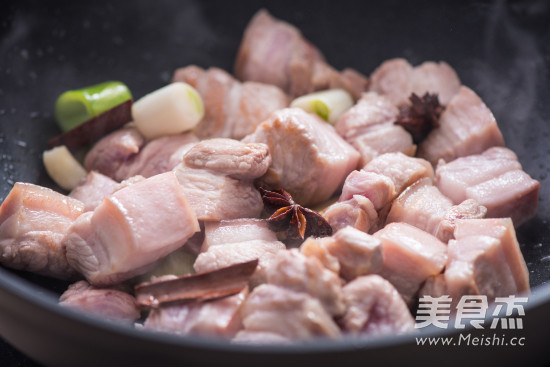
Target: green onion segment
328 104
75 107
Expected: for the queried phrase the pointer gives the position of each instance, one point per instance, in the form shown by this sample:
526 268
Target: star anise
421 116
293 221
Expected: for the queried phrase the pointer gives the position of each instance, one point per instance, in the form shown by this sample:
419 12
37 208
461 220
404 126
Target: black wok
500 49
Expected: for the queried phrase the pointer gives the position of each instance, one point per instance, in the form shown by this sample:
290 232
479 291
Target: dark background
501 49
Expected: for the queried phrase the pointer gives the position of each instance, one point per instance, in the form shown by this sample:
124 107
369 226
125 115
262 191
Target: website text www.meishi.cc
472 310
493 340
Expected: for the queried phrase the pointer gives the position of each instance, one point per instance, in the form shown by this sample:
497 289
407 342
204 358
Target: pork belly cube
466 127
503 230
401 169
216 197
379 189
371 110
218 317
410 257
375 308
455 177
468 209
369 127
309 160
93 189
271 52
232 109
290 314
435 77
275 52
357 212
125 153
130 230
356 253
217 178
421 205
386 138
111 304
291 269
485 259
317 247
33 222
157 156
397 79
363 203
513 194
113 150
392 79
494 179
230 157
236 230
477 266
424 206
217 257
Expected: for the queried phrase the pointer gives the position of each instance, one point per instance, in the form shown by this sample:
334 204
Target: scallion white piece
63 167
328 104
170 110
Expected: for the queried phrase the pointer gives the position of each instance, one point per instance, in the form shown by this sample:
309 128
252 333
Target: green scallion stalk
328 104
75 107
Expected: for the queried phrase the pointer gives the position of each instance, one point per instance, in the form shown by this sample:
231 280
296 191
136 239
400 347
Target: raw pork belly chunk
106 303
424 206
33 222
275 52
226 254
349 252
235 241
272 314
130 230
466 127
310 160
367 194
410 256
421 205
93 189
375 308
232 109
379 189
291 269
494 179
113 150
217 177
236 230
125 153
401 169
369 127
357 212
397 80
468 209
218 317
485 259
157 156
